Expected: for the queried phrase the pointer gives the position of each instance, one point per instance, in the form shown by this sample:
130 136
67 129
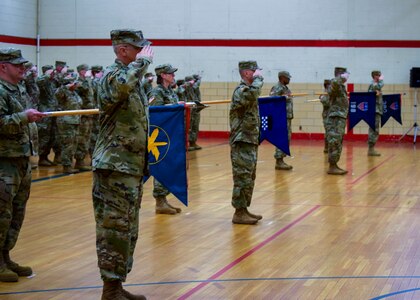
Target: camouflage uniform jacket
14 130
244 115
95 86
85 91
122 141
338 99
325 101
57 79
189 93
196 90
147 87
282 90
47 100
32 89
375 87
163 95
180 92
68 100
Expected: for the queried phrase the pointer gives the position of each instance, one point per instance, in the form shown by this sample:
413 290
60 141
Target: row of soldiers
73 137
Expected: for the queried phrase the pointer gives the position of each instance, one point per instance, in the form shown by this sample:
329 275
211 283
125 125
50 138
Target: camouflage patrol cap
285 74
180 82
248 65
82 67
128 36
46 68
340 70
189 78
96 68
196 76
59 63
148 74
12 56
376 73
28 65
165 69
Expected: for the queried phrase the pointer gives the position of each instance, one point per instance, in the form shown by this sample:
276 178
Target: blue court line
395 293
227 280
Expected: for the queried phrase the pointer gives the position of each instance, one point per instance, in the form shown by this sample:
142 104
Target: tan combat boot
69 170
177 209
82 166
130 296
281 165
7 275
241 217
258 217
14 267
162 207
372 152
112 290
44 162
335 170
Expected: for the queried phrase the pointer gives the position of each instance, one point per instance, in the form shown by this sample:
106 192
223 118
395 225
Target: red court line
248 253
371 170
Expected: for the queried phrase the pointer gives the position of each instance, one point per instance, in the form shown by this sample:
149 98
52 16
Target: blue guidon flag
362 106
274 122
392 108
167 149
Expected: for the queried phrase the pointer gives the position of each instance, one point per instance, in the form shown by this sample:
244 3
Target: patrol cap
96 68
12 55
28 65
376 73
59 63
196 76
82 67
189 78
340 70
248 65
128 36
46 68
165 69
285 74
180 82
148 74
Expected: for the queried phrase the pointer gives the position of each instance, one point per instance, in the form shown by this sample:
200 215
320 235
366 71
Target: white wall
244 19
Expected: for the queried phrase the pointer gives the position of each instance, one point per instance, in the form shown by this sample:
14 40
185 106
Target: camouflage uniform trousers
324 121
194 126
336 127
47 130
159 190
94 134
278 153
116 201
373 135
15 185
244 167
67 136
33 132
83 137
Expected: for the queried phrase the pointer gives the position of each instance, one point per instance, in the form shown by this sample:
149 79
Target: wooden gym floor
322 237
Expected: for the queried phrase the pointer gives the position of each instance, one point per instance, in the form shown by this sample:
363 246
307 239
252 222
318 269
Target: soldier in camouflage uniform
281 89
47 127
97 73
163 94
244 120
180 90
325 101
120 160
195 93
15 149
68 126
376 86
147 84
336 120
85 91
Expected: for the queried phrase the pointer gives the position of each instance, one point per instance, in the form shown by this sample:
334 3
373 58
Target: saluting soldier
325 101
373 135
281 89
